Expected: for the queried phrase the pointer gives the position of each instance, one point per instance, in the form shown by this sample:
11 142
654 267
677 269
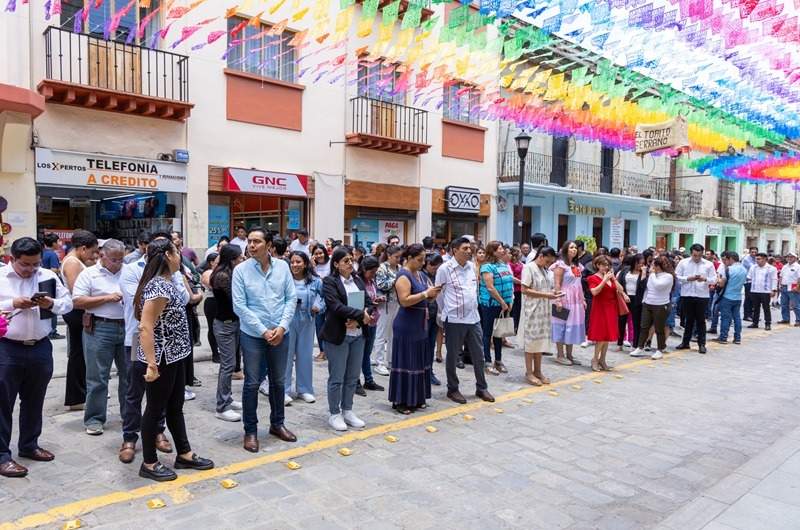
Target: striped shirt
458 302
503 283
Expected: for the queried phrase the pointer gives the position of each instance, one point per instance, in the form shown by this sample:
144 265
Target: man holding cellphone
695 275
26 353
459 307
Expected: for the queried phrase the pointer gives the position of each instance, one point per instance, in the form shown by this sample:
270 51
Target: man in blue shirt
731 285
52 243
264 298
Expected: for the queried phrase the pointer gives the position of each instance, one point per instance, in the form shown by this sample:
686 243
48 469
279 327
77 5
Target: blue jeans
319 321
673 312
344 364
301 351
106 344
729 310
261 359
715 310
789 298
369 342
488 314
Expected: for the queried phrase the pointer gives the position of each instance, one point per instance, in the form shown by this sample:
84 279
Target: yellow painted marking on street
155 504
597 381
80 507
344 451
180 495
390 438
576 387
228 483
291 464
618 376
552 393
527 400
469 417
72 525
499 410
431 428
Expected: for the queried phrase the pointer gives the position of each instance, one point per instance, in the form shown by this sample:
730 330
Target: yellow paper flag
277 6
300 14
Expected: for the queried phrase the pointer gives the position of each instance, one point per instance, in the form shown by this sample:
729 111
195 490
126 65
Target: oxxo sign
463 200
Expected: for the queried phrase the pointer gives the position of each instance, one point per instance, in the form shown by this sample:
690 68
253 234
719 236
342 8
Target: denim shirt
263 300
309 295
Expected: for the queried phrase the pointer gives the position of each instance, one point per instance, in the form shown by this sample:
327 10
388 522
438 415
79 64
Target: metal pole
520 199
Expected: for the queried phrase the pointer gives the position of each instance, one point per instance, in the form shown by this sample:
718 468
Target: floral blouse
171 331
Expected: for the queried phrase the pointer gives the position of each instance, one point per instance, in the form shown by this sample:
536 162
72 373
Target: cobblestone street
676 444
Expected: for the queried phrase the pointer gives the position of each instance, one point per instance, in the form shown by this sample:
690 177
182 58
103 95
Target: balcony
726 199
87 71
389 127
684 203
539 169
759 213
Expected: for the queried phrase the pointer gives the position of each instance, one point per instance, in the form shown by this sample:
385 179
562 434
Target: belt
31 342
120 321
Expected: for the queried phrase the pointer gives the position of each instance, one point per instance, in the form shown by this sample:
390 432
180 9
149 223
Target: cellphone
39 295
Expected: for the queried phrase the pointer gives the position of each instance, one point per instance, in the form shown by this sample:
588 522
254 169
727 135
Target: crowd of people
386 311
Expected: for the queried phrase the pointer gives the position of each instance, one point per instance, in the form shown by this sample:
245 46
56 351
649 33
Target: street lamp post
523 142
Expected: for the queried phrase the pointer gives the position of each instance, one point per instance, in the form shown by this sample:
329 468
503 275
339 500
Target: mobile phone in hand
38 296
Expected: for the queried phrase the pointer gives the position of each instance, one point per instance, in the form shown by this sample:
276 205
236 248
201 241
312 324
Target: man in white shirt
241 239
26 353
763 279
458 304
97 292
696 275
215 248
790 295
301 243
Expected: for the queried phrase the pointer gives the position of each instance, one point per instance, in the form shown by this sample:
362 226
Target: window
101 15
379 80
461 102
258 53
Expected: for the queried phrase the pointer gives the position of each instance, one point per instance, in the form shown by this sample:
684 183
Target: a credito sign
69 168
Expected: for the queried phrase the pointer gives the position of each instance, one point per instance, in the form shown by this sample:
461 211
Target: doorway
563 229
597 230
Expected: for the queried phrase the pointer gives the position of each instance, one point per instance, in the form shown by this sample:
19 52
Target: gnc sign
265 182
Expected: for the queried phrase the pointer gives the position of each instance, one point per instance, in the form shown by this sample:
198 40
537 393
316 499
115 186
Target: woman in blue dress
410 378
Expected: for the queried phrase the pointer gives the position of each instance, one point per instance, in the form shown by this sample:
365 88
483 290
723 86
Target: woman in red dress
604 315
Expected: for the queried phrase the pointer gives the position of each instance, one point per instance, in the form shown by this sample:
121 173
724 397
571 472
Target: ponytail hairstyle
339 253
369 263
157 265
390 250
228 254
412 251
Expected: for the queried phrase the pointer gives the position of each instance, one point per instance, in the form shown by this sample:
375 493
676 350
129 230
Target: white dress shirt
296 245
241 243
762 279
790 274
351 287
128 283
458 302
26 324
688 267
99 281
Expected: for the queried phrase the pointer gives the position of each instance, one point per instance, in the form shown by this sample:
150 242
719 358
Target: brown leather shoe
485 395
250 443
283 433
127 452
162 443
11 469
457 396
39 454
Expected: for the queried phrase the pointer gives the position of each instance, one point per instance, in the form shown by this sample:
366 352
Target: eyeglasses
346 260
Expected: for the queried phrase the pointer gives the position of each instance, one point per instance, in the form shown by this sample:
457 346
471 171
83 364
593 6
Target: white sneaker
373 362
352 420
264 387
188 395
94 430
637 353
648 348
236 405
587 343
337 422
308 398
229 415
381 370
627 343
286 399
657 355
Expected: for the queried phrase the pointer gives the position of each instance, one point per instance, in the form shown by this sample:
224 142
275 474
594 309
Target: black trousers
516 309
132 418
210 310
636 315
76 364
758 301
748 303
25 371
165 394
188 364
694 310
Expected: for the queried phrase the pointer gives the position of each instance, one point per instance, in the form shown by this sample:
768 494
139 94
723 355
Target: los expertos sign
69 168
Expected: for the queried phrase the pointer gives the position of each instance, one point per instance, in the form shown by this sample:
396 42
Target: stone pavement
685 442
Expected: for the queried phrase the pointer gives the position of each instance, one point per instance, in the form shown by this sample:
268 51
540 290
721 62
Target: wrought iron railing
90 60
726 199
581 176
389 120
684 203
759 213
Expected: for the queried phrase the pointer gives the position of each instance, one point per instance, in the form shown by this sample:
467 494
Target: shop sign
219 221
713 230
68 168
582 209
617 232
672 229
365 231
462 200
265 182
391 228
657 136
730 231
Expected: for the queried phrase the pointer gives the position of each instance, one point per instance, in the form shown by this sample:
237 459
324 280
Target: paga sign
673 133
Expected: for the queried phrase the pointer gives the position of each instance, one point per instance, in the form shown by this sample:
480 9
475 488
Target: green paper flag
412 17
390 13
429 24
458 16
344 4
369 9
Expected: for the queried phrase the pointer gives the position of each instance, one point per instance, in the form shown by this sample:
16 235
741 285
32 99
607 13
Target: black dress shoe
783 321
768 327
159 473
682 347
372 385
195 463
196 382
460 364
283 433
455 395
39 454
485 395
747 319
753 326
11 469
435 380
712 331
701 349
360 390
720 341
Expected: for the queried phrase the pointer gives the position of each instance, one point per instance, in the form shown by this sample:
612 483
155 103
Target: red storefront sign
265 182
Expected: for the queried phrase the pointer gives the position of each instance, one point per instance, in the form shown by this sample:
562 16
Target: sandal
543 379
320 357
402 409
491 370
533 380
500 367
575 362
596 366
606 367
564 361
439 359
423 406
